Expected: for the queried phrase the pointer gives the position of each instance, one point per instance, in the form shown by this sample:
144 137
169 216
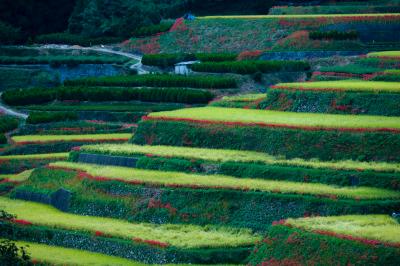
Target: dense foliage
333 35
41 95
47 117
74 39
7 123
166 60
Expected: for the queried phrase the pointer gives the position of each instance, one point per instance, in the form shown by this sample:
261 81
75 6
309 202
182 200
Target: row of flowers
348 75
272 125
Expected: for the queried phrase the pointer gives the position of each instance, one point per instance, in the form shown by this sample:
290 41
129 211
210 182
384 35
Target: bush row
166 60
47 117
254 170
249 209
152 29
3 139
43 95
121 247
333 35
282 245
18 166
57 60
7 123
121 117
387 104
386 77
293 143
74 39
157 81
251 67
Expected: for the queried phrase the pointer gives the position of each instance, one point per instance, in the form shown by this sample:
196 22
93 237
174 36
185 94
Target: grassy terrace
391 54
277 118
58 138
219 155
377 227
226 182
344 85
17 177
245 97
63 155
66 256
182 236
298 16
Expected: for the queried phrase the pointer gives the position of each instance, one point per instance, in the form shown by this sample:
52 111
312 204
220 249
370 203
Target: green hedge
7 123
387 104
3 139
152 80
120 247
16 166
152 29
250 67
299 247
266 171
387 77
241 209
333 35
326 145
57 60
47 117
166 60
74 39
45 95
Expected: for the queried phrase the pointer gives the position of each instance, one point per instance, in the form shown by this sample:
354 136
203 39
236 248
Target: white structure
182 67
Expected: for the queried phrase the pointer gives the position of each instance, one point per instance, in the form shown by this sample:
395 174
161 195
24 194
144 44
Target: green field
220 155
297 16
212 181
215 114
245 97
61 155
183 236
346 85
376 227
58 138
17 177
394 54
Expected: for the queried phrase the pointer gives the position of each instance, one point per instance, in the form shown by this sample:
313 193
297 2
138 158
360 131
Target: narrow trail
8 111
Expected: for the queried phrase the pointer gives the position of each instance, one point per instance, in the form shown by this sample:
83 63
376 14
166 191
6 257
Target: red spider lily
151 242
21 222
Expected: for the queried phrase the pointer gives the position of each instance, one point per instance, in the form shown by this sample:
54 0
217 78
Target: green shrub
41 95
58 60
3 139
9 34
7 123
333 35
152 29
47 117
74 39
250 67
152 80
216 57
166 60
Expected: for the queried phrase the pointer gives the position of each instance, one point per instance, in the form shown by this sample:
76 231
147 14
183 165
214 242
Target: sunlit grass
88 137
347 85
385 54
218 114
184 236
245 97
220 155
183 179
18 177
377 227
63 155
297 16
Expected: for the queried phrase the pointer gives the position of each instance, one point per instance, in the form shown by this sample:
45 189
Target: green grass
220 155
297 16
183 236
347 85
53 138
376 227
63 155
385 54
216 114
183 179
245 97
352 69
18 177
60 256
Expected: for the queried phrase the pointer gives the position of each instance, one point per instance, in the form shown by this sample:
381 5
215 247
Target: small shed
182 68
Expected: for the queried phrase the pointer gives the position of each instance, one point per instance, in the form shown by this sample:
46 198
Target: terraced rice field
17 177
297 16
174 179
277 118
220 155
183 236
385 54
377 227
58 138
61 155
344 85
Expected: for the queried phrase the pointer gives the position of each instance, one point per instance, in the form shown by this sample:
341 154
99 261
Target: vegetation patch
28 139
386 54
13 164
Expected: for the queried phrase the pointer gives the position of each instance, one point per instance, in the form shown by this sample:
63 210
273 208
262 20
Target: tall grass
212 181
216 114
53 138
394 54
376 227
183 236
220 155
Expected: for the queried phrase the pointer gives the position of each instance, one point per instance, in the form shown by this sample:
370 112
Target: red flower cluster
21 222
347 75
272 125
157 204
151 242
249 55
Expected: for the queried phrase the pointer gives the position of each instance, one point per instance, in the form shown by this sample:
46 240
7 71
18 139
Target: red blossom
21 222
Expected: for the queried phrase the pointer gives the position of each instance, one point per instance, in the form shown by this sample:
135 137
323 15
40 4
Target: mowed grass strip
277 118
245 97
59 138
62 155
182 236
297 16
60 256
376 227
18 177
385 54
227 182
220 155
344 85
